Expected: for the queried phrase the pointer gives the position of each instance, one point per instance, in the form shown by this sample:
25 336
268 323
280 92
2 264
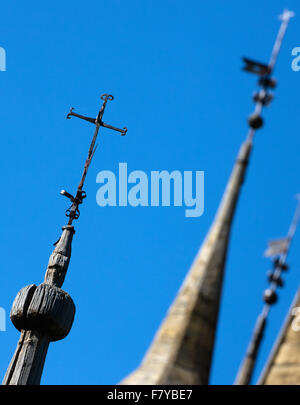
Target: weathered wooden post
45 313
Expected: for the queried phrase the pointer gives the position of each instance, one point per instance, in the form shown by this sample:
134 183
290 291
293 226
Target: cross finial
98 120
73 211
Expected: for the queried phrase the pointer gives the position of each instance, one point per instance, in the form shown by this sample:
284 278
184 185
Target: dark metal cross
73 211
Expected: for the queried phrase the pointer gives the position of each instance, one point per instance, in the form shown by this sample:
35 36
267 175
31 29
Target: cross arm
96 121
123 131
71 113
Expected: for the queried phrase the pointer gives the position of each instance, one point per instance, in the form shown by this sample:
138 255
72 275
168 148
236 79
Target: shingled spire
182 349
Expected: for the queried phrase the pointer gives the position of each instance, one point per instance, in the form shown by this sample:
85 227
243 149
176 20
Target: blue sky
175 70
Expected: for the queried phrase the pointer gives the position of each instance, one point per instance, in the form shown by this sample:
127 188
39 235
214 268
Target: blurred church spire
283 364
278 249
181 352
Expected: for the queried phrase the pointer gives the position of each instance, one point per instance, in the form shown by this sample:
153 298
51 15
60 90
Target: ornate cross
73 211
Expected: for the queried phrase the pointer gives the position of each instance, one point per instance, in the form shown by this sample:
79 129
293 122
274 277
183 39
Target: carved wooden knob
45 308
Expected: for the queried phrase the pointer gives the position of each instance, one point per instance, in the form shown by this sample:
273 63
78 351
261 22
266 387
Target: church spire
182 349
279 249
45 313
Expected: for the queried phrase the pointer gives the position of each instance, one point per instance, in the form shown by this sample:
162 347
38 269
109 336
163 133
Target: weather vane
278 249
263 98
45 313
264 71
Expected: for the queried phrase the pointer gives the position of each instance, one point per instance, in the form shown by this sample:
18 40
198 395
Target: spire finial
73 211
45 313
278 250
263 97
